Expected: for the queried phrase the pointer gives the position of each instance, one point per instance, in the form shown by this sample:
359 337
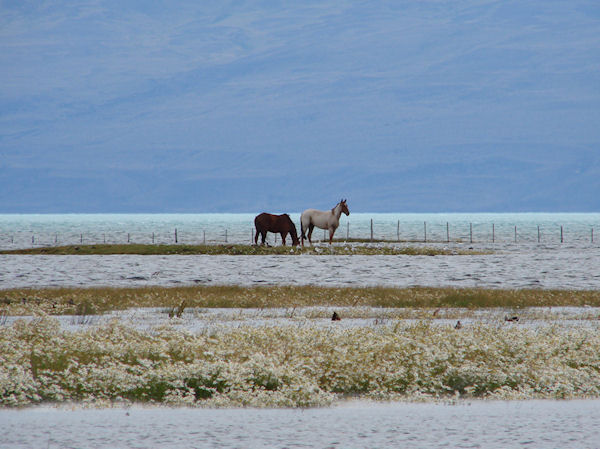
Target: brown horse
275 223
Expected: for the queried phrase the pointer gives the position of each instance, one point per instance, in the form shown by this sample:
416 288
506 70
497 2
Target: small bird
335 317
458 325
436 311
511 318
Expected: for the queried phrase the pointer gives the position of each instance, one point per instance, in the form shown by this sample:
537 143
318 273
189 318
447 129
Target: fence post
515 234
398 230
447 232
561 235
175 235
371 229
226 236
538 233
425 232
204 237
348 230
493 233
471 232
592 235
129 238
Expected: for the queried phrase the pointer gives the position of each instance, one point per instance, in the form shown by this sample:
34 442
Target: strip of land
239 250
77 301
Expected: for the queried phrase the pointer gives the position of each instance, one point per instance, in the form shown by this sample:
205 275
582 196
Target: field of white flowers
293 366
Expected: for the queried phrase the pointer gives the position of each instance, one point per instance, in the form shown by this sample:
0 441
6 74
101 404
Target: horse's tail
302 230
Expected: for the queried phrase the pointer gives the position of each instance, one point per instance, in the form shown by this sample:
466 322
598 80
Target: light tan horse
328 219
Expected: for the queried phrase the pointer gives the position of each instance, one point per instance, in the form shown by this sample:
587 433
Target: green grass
99 300
234 250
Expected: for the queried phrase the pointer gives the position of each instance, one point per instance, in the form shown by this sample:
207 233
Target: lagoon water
474 424
565 268
18 231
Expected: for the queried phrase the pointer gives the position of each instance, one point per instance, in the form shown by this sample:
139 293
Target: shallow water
531 424
211 320
549 269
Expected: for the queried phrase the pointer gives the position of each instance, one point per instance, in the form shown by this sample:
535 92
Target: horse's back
264 220
315 217
309 213
260 218
273 223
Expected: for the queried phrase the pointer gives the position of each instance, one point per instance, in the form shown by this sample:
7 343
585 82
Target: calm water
18 231
547 268
478 424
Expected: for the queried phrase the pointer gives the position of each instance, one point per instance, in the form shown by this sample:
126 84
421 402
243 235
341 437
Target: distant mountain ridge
240 106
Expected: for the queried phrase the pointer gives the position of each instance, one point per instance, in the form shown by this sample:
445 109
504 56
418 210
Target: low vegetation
240 250
62 301
408 358
292 367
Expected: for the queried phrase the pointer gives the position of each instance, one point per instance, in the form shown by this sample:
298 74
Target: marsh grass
177 312
239 250
64 301
84 313
293 367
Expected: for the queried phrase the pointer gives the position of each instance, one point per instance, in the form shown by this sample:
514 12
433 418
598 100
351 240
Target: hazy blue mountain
193 106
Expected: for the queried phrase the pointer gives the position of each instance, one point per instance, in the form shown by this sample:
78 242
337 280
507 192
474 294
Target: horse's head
292 230
344 207
295 239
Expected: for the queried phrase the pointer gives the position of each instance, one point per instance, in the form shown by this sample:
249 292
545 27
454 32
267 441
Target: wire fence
371 231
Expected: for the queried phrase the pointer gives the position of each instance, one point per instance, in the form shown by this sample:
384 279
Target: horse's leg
302 232
263 237
310 230
256 237
331 232
283 235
